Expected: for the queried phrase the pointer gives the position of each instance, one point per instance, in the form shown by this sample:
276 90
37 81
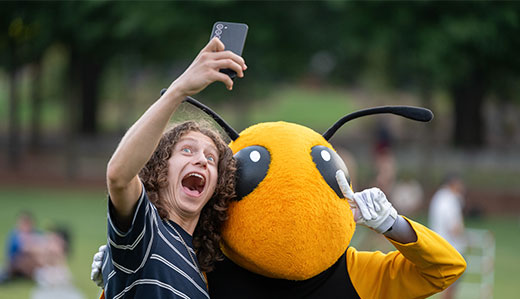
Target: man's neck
187 223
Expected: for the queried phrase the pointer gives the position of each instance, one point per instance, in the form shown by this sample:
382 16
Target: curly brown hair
207 234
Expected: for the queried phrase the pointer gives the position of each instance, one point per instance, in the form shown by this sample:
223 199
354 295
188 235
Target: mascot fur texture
292 208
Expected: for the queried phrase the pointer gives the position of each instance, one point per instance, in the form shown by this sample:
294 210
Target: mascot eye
328 162
253 163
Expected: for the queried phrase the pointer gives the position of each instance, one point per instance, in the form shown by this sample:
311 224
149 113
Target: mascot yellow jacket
289 228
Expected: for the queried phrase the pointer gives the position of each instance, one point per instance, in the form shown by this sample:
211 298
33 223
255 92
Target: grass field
84 213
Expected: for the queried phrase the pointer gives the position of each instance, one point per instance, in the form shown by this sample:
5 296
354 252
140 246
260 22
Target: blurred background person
407 195
52 275
20 245
40 256
384 158
445 217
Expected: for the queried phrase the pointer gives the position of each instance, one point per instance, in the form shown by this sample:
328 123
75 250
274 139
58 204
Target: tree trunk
36 109
14 147
468 99
13 141
427 142
90 73
71 104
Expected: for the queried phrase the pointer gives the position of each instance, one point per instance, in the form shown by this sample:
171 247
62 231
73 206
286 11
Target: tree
468 49
22 41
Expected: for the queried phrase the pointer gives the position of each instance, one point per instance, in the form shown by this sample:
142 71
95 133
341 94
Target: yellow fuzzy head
291 224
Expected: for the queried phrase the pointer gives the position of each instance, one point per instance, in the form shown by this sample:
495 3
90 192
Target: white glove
370 206
96 275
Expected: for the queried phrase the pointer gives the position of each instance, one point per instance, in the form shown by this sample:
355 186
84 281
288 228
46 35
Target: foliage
466 48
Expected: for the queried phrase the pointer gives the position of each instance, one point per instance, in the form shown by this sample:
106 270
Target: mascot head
290 219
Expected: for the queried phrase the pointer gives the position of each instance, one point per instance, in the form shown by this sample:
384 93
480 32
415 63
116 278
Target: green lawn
507 262
84 213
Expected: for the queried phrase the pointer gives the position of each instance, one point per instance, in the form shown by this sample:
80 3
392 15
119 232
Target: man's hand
370 206
97 262
204 70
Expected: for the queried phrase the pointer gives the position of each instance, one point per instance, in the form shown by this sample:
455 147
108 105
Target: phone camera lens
220 26
218 32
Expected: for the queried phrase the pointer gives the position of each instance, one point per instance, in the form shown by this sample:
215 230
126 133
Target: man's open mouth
193 183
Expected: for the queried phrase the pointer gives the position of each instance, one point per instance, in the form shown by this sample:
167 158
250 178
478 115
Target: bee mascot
289 228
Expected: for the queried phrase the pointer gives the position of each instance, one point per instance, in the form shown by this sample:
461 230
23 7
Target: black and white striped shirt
150 260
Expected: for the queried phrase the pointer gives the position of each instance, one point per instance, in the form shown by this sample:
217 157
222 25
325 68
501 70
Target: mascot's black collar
228 280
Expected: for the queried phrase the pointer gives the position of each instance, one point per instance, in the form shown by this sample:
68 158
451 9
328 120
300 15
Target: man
445 217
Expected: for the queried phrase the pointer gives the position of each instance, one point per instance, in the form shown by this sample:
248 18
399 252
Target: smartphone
233 36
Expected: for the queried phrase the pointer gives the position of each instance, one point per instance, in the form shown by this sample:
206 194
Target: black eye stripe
328 162
253 163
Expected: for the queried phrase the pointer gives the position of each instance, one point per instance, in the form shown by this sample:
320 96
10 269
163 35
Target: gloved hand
97 262
370 206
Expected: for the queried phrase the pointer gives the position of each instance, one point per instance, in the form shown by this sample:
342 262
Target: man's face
25 224
192 173
458 187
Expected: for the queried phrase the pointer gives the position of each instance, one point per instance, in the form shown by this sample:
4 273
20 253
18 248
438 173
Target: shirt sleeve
13 245
417 270
129 250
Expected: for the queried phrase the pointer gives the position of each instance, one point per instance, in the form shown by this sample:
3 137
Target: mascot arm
418 270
